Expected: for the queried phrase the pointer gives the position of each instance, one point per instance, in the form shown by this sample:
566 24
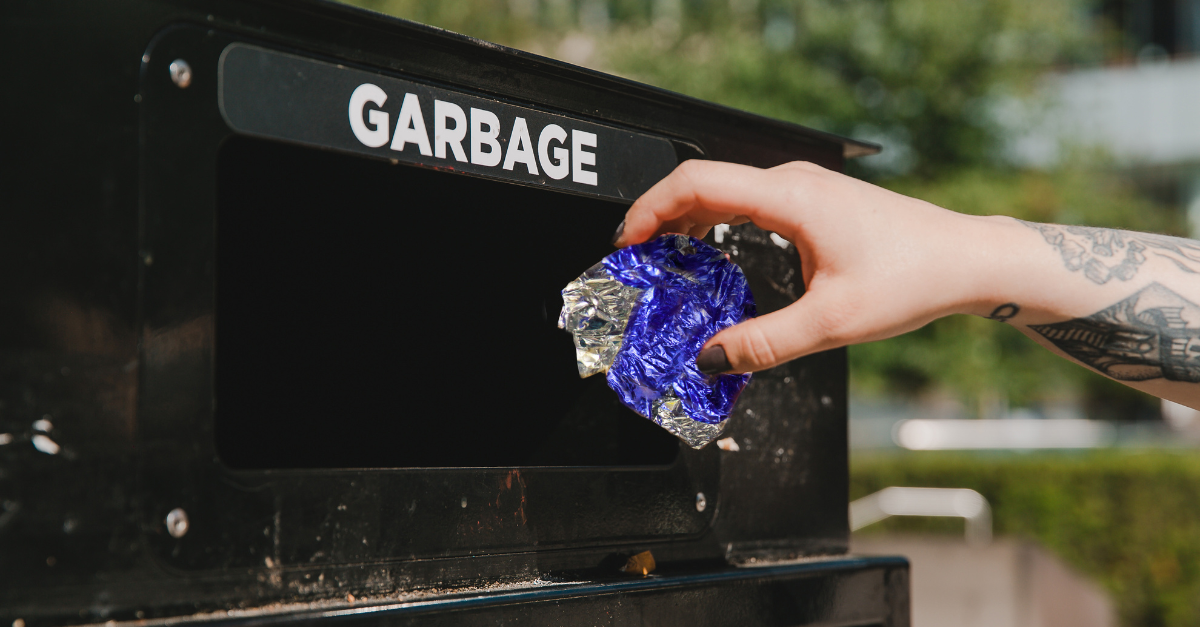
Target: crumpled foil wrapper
643 313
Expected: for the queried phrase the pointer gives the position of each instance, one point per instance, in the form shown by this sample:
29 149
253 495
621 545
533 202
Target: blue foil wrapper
642 314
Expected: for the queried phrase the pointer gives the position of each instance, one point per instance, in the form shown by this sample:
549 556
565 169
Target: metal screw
177 523
181 73
701 502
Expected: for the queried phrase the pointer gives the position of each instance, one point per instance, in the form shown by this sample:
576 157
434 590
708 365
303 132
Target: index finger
699 193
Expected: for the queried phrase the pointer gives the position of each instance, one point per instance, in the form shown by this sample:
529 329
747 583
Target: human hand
875 263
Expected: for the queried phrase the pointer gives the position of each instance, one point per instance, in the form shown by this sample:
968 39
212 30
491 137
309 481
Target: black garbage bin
278 344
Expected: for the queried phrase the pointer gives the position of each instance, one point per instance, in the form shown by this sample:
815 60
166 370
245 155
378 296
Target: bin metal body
278 341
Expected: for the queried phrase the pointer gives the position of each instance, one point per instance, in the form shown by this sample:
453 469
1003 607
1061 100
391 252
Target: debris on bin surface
728 444
642 314
640 564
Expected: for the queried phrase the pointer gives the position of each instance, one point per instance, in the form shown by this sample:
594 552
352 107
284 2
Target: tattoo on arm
1105 254
1154 334
1004 312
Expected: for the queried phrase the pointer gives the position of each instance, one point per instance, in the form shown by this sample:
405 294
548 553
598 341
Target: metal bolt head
177 523
701 502
181 73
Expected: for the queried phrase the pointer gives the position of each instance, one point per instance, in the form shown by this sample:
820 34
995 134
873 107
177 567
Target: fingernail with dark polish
619 233
713 360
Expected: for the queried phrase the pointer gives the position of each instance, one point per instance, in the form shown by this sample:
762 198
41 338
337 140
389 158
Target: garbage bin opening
374 315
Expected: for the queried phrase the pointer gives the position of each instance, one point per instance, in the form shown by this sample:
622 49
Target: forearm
1120 302
877 264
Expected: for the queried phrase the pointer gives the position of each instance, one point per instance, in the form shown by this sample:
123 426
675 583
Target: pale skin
877 264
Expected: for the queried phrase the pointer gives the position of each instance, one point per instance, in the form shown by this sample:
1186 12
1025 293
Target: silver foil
668 414
596 308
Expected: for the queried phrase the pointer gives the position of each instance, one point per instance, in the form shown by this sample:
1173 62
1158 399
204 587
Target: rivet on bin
177 522
181 73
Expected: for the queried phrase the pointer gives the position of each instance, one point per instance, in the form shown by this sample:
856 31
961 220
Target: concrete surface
1007 583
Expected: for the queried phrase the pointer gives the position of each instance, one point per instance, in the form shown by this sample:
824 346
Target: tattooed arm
1149 339
1105 254
877 264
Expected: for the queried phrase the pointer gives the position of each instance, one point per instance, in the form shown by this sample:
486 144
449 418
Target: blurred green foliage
928 79
1131 521
917 75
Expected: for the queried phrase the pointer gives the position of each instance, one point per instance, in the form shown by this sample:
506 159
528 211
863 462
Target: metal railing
956 502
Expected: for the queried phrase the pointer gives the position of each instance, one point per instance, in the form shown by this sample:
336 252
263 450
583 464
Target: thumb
769 340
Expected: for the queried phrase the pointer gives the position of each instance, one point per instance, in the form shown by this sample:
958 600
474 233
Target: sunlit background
1068 111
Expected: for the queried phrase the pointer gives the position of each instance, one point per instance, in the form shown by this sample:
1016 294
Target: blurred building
1138 106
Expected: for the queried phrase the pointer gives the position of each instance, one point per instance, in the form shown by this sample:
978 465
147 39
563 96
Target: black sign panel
292 98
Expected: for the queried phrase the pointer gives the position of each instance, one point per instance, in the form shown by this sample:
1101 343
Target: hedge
1129 520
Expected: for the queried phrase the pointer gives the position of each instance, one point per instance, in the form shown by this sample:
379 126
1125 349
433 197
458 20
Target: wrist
991 260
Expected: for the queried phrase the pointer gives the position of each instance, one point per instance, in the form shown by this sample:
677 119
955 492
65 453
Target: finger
698 231
699 193
767 341
681 225
804 166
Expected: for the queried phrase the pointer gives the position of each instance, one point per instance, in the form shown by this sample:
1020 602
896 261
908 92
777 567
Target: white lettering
480 138
372 137
442 136
556 171
410 126
579 139
520 148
